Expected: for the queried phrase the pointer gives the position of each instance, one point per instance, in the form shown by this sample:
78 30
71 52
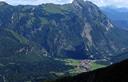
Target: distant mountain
119 16
114 73
36 40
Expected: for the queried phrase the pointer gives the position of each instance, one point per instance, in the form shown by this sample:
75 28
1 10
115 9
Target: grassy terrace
96 66
78 68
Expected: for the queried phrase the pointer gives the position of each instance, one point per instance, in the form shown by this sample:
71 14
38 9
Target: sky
116 3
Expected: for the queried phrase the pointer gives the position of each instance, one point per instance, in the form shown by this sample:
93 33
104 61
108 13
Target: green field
96 66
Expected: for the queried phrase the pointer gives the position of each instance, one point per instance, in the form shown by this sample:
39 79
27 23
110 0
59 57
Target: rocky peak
78 1
85 7
3 3
81 2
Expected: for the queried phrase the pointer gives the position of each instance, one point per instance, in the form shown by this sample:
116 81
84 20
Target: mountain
114 73
118 16
48 40
68 30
